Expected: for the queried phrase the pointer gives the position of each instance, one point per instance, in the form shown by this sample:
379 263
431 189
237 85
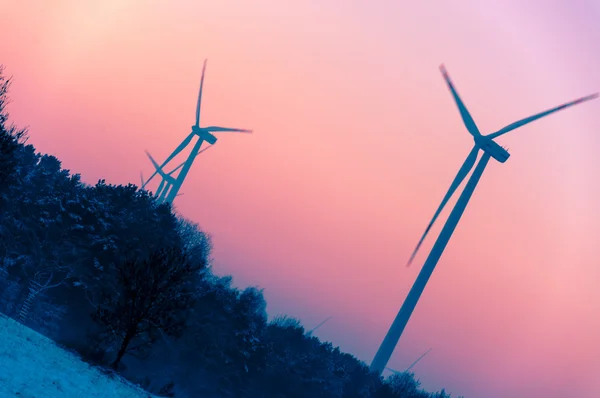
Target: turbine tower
490 149
167 178
170 188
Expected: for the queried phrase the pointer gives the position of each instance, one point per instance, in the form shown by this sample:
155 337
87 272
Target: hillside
127 284
32 366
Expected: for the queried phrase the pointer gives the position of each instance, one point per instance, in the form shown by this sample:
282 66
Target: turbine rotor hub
204 135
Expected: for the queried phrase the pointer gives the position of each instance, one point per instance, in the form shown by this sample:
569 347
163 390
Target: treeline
106 271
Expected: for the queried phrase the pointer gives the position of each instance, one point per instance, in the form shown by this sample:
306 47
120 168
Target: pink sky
356 140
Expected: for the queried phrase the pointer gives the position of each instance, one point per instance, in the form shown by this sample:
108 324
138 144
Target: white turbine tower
490 149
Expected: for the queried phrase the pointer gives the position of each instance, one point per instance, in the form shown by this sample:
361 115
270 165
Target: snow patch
33 366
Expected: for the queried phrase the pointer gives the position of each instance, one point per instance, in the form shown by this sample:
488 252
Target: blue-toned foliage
115 271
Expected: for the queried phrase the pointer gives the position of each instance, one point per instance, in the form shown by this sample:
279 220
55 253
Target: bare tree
43 262
148 297
35 288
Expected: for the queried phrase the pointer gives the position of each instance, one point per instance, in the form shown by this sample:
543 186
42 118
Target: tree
196 243
149 297
10 136
36 226
127 219
405 385
119 222
223 342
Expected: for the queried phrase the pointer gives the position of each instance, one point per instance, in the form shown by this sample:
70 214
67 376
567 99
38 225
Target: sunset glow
356 139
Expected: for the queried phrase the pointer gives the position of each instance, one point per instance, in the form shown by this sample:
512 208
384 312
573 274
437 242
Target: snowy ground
32 366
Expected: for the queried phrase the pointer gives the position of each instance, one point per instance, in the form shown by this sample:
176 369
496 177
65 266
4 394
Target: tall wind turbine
203 134
490 149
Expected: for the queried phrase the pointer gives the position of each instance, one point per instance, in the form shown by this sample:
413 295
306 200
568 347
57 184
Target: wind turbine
310 332
486 143
490 149
203 134
413 364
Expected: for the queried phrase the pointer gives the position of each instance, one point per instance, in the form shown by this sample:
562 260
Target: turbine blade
540 115
175 169
181 165
213 129
319 325
200 95
417 361
158 168
464 113
204 149
142 179
460 176
151 176
179 148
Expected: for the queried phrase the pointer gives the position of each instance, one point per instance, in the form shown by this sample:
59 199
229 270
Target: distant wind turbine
490 149
310 332
413 364
203 134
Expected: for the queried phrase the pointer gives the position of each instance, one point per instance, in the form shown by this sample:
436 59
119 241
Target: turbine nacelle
494 149
204 134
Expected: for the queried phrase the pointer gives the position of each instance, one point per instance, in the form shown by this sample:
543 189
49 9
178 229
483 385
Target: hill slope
32 366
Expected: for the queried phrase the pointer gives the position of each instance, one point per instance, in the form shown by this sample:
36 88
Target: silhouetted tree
148 298
10 136
38 226
405 385
223 341
196 243
124 222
